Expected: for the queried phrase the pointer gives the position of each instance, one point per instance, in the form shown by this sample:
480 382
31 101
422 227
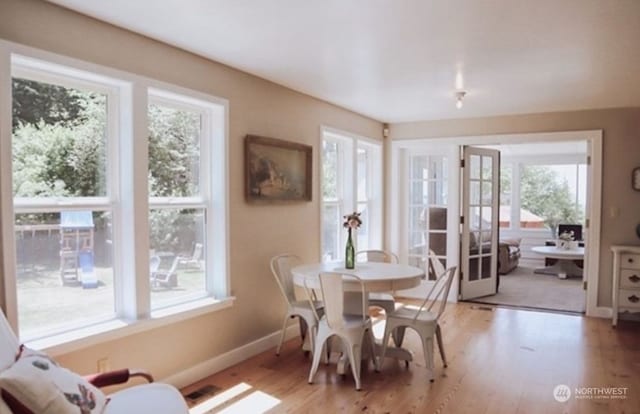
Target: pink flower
352 221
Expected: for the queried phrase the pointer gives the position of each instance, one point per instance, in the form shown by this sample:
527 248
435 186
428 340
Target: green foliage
543 194
174 146
505 186
173 230
37 102
63 159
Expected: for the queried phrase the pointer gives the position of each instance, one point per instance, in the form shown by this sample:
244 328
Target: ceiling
398 60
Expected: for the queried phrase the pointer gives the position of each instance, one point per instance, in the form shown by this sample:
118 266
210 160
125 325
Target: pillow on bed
38 383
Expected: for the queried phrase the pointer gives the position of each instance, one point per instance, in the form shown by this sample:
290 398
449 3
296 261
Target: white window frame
347 200
127 197
201 201
517 163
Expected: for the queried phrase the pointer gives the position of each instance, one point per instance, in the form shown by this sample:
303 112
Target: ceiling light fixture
459 96
459 81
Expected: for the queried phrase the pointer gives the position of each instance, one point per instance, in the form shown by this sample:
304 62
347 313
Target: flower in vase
352 221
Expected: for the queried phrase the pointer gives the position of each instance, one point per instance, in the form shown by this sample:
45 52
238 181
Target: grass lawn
44 304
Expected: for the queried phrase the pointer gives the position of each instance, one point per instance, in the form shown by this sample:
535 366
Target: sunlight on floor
255 402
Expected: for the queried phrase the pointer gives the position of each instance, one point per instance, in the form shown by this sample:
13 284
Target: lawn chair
195 260
165 278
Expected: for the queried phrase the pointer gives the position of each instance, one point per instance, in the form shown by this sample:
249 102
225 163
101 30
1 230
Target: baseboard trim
600 312
216 364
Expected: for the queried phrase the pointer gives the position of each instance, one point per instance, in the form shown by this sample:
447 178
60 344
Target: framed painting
276 170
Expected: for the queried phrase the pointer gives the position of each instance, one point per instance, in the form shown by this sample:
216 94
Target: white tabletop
377 277
555 253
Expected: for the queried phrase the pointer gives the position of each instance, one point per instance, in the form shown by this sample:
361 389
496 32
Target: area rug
524 288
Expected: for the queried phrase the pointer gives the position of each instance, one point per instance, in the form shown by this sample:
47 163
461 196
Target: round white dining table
376 277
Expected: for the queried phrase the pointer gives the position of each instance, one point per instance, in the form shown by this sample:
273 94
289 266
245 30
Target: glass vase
350 253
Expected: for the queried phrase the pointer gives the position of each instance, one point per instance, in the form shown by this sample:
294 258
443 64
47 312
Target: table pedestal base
562 268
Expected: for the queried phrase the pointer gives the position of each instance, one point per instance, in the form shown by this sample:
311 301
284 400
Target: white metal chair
154 398
348 327
385 301
435 267
423 320
306 311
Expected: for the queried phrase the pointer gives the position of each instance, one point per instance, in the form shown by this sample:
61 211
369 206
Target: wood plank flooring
500 361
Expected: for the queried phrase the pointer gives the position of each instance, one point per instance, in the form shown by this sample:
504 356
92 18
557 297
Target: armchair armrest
117 377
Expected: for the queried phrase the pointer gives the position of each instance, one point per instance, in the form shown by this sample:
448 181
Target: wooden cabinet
626 280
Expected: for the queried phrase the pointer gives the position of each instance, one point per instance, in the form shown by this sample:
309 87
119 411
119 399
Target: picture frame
277 170
635 179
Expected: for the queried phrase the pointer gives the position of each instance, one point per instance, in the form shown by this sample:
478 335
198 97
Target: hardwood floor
500 361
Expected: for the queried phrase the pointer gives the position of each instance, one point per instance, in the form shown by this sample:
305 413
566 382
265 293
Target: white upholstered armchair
152 398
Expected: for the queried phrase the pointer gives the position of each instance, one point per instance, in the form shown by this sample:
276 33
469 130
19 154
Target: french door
480 222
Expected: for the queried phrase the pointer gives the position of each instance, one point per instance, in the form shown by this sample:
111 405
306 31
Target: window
554 193
177 200
351 180
79 198
63 201
544 195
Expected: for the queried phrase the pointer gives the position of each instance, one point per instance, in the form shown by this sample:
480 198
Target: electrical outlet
103 365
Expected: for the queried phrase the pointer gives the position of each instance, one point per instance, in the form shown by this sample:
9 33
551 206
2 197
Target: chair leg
440 346
317 354
303 328
282 334
327 356
398 335
372 345
354 360
427 345
385 341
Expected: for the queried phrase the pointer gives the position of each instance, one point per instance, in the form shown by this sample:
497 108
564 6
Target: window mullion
132 229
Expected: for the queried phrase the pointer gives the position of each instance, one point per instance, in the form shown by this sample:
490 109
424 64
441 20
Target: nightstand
626 280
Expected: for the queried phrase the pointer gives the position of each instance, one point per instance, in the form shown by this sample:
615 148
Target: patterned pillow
42 386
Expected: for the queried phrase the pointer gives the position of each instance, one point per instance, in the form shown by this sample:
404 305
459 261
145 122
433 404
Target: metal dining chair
350 328
385 301
306 311
424 320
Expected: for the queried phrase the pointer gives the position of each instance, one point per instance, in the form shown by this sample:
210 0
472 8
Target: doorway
542 200
403 222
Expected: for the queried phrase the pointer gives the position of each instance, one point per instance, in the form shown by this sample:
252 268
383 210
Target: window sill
118 328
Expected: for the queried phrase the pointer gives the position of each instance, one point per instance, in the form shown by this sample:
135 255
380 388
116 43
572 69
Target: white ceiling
397 60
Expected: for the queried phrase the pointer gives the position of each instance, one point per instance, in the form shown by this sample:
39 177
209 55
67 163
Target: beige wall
257 232
621 148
